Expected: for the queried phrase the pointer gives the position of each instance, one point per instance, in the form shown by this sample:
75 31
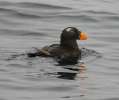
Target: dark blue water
34 23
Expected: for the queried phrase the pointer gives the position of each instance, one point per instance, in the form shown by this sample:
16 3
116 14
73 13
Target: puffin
67 51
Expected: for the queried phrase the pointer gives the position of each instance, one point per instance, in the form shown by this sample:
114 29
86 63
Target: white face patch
68 29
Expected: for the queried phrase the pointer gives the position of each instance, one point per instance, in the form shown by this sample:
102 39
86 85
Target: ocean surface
25 24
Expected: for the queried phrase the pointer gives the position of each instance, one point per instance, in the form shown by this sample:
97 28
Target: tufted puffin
67 51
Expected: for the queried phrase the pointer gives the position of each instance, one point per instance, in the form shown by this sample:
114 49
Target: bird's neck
71 44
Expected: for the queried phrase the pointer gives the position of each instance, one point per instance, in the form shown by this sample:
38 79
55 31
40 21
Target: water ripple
40 5
98 12
81 16
21 32
33 5
17 13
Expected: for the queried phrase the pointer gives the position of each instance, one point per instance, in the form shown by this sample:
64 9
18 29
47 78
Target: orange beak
83 36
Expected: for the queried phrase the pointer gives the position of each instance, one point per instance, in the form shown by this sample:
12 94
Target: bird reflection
74 71
66 75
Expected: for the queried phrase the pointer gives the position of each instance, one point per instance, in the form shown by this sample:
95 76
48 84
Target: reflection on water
72 75
78 72
66 75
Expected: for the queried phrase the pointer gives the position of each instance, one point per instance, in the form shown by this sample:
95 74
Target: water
34 23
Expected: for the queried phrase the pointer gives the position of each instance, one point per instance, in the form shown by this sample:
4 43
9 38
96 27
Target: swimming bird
67 51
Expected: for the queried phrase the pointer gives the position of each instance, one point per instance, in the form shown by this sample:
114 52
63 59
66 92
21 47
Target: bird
67 51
